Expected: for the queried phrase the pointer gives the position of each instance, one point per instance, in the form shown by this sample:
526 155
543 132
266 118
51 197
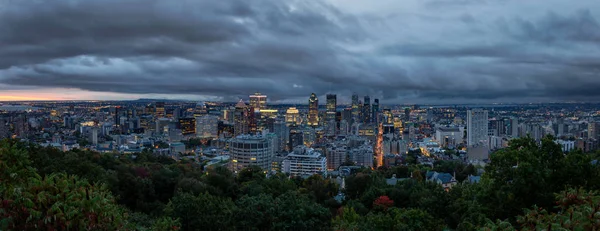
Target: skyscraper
375 111
313 110
331 108
355 108
477 127
117 116
367 110
258 101
292 117
240 117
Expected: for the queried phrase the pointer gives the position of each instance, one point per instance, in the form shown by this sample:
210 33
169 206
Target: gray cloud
288 49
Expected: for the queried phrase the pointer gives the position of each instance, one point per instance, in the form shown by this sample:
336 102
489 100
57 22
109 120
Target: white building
449 136
477 127
567 145
304 161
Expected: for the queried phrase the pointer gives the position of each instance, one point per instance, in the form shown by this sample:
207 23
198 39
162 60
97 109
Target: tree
320 189
357 184
202 212
577 210
296 212
53 202
346 220
256 212
383 203
401 219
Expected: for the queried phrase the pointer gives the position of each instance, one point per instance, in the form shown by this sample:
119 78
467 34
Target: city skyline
487 51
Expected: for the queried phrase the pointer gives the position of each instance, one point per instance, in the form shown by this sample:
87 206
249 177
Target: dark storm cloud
288 49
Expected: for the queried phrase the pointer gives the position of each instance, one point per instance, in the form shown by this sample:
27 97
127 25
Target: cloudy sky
402 51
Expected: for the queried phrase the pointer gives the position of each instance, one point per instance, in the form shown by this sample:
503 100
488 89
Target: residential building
477 127
304 161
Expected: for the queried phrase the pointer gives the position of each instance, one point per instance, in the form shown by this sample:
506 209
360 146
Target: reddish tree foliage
383 202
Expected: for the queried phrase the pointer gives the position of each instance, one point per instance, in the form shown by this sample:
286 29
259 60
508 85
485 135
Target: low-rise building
446 180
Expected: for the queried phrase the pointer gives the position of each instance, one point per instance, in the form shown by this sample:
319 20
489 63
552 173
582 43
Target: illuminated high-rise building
366 111
240 119
388 116
258 101
292 117
331 108
160 109
187 126
313 110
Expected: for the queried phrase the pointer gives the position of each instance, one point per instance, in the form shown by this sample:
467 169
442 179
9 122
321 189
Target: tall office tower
252 120
283 133
367 110
331 110
313 110
292 117
187 126
117 116
375 111
477 127
160 109
258 101
407 114
331 107
246 150
240 119
355 108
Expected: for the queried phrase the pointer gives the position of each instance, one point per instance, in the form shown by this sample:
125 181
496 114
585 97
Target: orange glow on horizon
20 98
